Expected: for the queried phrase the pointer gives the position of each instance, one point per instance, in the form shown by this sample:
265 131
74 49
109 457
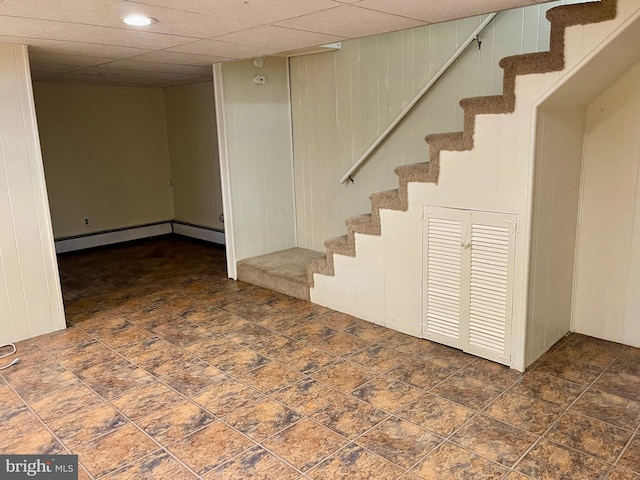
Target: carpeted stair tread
284 271
341 245
362 224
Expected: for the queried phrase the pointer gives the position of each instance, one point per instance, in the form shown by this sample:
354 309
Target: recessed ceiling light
138 20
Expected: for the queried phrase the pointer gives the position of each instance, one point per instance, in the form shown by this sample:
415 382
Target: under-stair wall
383 282
342 101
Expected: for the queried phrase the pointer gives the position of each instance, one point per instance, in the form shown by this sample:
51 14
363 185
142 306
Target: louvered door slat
442 290
489 301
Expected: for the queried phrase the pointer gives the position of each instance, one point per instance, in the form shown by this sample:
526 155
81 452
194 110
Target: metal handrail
418 97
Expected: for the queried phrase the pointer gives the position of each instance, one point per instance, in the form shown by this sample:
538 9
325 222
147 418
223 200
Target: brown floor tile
115 384
62 339
348 416
227 397
491 372
631 457
211 347
551 461
591 350
40 383
311 331
156 352
343 344
378 358
389 395
157 465
455 463
619 383
306 358
495 440
467 391
369 332
210 447
24 433
622 474
140 401
239 360
86 424
400 442
114 450
90 359
126 336
339 321
550 389
181 332
422 373
193 380
255 464
355 463
174 421
436 414
590 436
628 362
247 334
610 408
271 377
567 368
344 376
262 419
405 344
448 356
305 444
8 398
524 412
307 396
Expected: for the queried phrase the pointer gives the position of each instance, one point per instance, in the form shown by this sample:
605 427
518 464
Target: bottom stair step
284 271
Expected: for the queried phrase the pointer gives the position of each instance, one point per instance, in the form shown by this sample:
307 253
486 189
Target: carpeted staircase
292 271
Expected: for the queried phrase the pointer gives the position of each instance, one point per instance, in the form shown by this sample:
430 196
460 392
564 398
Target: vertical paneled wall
30 297
255 128
607 304
193 146
342 100
553 235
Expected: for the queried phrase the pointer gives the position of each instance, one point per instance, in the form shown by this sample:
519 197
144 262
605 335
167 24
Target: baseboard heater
120 235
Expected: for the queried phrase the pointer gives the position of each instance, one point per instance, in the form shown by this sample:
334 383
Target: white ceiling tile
109 12
162 56
438 11
73 32
258 12
128 73
279 38
220 49
52 67
160 67
349 21
78 60
73 48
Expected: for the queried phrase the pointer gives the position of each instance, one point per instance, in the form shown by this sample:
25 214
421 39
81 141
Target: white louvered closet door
467 280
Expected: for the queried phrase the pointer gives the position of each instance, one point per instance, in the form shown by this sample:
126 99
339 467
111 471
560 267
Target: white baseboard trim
201 233
107 238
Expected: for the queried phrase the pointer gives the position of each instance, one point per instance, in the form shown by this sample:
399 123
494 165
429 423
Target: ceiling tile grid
86 41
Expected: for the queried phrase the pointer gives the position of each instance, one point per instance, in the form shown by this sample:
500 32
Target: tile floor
170 370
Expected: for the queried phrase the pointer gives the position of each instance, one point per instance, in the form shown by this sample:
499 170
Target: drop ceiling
84 41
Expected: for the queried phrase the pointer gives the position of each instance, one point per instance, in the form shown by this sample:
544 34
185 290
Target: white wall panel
30 296
606 304
258 147
343 100
195 166
555 214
